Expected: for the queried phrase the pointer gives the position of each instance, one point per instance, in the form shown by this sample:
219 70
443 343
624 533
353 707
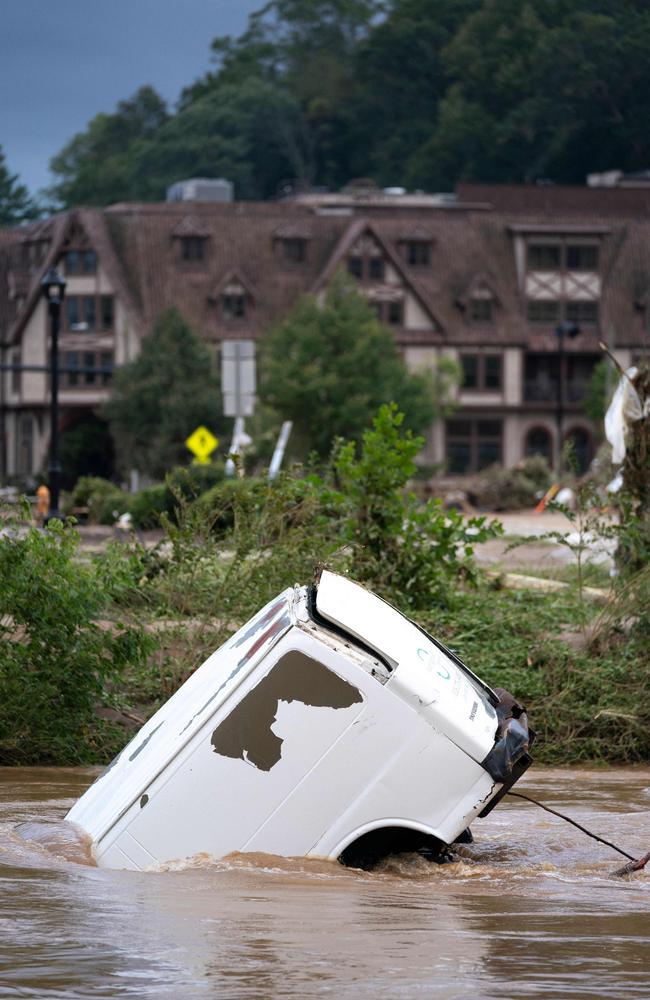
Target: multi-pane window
557 256
89 313
584 312
544 257
481 371
472 444
294 249
546 375
80 262
376 268
366 268
391 313
417 253
81 369
581 258
543 311
192 248
233 306
481 310
355 266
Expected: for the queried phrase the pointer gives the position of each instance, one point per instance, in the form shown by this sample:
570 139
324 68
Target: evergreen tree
16 206
162 396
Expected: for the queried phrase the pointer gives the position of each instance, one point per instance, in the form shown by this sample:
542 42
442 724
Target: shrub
148 505
109 507
55 660
512 489
250 500
413 554
92 492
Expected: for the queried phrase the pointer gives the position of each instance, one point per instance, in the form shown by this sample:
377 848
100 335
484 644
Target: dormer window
481 309
192 248
417 253
233 304
294 250
479 300
291 242
190 239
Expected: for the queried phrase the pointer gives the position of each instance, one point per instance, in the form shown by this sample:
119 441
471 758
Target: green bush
414 554
518 488
249 499
91 492
108 508
148 505
55 660
193 480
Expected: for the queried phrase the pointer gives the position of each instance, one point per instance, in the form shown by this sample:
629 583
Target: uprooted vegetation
89 649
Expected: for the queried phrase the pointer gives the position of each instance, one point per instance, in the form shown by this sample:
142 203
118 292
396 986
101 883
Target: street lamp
53 287
570 330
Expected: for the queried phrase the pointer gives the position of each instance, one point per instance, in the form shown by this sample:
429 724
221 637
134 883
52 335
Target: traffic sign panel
202 443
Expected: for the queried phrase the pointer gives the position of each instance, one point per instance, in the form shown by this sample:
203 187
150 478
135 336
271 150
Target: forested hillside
420 93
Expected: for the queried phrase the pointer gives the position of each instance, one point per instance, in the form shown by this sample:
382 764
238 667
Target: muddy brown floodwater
529 910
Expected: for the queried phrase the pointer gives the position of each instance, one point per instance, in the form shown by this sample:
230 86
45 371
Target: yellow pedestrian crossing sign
202 443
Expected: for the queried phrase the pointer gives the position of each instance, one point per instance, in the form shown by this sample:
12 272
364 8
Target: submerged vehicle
329 725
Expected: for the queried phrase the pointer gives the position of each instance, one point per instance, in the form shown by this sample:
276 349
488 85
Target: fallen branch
633 865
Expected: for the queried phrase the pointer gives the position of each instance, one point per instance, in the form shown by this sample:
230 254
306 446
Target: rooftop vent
201 189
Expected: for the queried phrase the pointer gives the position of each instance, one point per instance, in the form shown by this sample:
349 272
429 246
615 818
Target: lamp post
571 330
53 287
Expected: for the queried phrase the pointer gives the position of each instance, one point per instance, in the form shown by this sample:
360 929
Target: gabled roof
231 278
191 226
356 229
60 229
477 283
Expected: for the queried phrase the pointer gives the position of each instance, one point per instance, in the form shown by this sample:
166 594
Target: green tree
540 88
252 133
328 369
15 203
396 111
96 166
162 396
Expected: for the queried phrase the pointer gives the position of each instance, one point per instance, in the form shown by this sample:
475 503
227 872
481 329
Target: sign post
278 454
238 385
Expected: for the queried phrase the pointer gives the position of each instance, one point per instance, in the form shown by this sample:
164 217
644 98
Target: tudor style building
486 277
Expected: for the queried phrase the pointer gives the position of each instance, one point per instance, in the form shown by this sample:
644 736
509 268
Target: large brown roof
138 245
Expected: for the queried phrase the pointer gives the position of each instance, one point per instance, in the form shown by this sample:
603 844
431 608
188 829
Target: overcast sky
61 63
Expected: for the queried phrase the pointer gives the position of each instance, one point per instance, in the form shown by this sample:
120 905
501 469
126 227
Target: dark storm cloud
60 64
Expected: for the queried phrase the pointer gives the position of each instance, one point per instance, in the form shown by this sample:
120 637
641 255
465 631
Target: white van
329 725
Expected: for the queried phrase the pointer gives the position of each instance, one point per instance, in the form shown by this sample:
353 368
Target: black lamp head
53 286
